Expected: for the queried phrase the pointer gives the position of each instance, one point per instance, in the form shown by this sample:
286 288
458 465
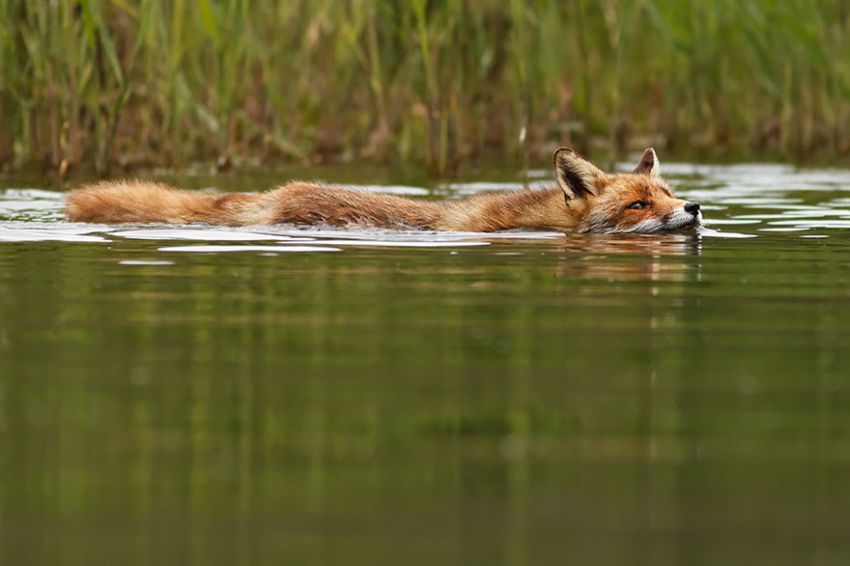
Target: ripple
30 195
399 244
389 235
229 249
797 213
31 205
812 223
145 262
200 235
711 233
736 220
44 232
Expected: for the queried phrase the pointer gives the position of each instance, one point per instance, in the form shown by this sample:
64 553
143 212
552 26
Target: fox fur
585 200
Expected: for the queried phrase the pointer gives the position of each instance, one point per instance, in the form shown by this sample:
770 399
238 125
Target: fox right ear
576 176
649 164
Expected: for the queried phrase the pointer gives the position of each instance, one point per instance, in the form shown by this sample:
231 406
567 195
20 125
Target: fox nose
692 207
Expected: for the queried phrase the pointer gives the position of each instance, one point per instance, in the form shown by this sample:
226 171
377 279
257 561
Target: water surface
198 395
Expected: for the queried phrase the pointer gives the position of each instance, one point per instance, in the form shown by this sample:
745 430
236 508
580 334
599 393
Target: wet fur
586 200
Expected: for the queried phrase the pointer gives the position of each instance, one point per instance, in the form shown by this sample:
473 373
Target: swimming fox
585 200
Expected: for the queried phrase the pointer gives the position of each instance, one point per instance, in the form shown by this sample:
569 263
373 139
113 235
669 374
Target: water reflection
631 257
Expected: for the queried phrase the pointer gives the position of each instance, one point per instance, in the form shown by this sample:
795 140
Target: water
198 395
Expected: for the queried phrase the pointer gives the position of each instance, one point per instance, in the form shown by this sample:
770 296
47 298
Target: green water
466 399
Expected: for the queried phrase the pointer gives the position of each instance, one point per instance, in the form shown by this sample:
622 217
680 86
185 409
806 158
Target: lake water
199 395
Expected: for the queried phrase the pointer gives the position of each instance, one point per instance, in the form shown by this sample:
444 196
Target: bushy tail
111 202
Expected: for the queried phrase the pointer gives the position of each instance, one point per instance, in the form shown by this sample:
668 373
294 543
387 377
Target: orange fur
587 200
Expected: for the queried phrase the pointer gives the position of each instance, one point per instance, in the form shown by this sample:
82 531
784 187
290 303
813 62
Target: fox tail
142 202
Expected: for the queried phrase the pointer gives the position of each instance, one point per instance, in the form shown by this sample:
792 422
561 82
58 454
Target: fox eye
638 204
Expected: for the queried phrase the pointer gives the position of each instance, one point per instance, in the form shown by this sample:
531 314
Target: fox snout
693 208
684 216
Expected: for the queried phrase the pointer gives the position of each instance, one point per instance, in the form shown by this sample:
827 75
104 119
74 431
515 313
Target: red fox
585 200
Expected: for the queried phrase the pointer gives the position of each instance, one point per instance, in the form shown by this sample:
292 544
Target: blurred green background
100 84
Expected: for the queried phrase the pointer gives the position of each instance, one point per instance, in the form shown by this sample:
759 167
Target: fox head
639 201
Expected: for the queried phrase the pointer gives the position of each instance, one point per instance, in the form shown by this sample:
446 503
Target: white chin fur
676 221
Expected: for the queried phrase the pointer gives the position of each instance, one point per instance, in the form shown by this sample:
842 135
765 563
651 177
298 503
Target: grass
128 83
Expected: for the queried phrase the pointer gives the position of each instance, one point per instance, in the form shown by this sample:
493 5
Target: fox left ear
649 164
576 176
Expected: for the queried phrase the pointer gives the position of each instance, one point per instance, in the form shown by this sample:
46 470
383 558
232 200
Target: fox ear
649 164
576 176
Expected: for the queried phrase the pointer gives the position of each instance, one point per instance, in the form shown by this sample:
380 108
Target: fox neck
543 209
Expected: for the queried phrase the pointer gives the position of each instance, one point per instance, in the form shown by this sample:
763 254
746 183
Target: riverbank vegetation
131 83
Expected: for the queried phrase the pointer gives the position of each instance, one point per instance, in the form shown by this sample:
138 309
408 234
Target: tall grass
136 82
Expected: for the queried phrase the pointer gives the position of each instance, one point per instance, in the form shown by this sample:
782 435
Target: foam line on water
400 244
40 235
200 235
711 233
145 262
228 249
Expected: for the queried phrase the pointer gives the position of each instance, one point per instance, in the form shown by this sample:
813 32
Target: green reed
143 82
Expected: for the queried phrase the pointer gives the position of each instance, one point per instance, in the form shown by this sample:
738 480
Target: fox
584 199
